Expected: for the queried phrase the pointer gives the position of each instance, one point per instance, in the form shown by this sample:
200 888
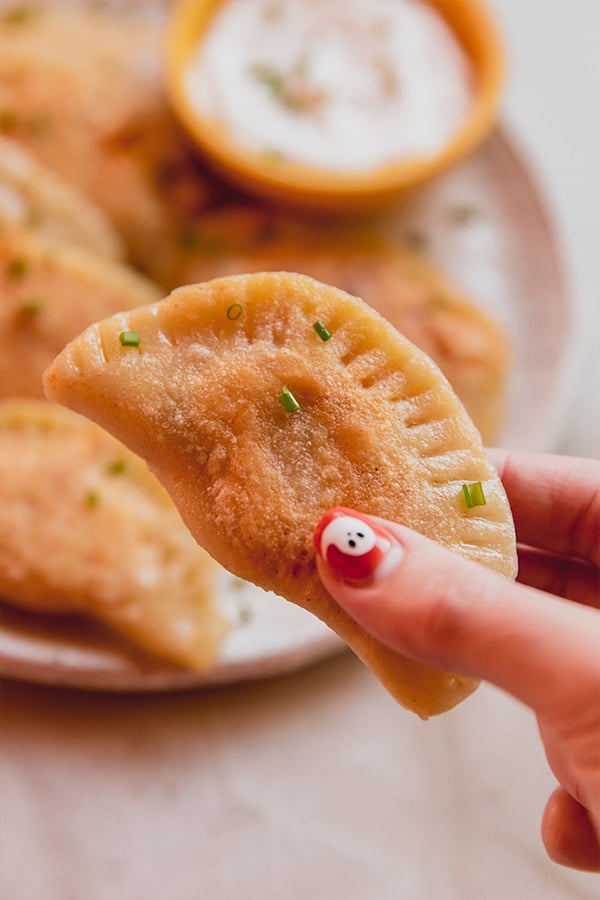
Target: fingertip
568 833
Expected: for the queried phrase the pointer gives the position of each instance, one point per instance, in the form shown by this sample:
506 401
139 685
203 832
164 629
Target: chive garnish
245 613
18 15
473 495
188 238
286 89
198 240
288 401
31 307
235 311
417 241
130 338
270 77
321 330
463 214
116 467
272 155
34 218
17 267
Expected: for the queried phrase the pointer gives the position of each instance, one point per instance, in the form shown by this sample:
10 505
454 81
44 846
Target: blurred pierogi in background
86 529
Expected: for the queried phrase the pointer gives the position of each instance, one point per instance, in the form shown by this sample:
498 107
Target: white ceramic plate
485 223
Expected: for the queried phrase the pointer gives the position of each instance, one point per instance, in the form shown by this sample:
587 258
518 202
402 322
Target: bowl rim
471 21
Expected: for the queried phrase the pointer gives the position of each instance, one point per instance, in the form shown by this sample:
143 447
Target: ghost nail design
353 546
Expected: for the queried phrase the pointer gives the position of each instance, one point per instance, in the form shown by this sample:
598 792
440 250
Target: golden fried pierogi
33 198
86 529
262 401
48 293
82 91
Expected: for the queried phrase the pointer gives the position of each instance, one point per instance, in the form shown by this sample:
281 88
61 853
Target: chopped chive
417 241
280 86
235 311
188 238
197 240
245 613
268 76
116 467
473 495
31 307
92 498
19 15
130 338
34 218
17 267
321 330
463 214
272 155
288 401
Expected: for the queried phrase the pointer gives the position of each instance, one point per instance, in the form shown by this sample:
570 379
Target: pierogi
262 401
87 530
48 294
81 90
33 198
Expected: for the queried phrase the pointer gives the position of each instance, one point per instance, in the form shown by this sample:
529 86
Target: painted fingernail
354 547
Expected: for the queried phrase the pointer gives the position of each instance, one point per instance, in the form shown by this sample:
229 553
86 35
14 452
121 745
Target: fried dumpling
82 91
48 293
86 529
32 197
256 426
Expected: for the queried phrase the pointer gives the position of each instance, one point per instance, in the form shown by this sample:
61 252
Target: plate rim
568 369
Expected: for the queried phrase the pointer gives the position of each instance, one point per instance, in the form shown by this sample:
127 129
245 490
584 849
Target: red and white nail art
352 545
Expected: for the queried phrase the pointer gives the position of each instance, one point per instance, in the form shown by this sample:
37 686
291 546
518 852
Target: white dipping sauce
347 85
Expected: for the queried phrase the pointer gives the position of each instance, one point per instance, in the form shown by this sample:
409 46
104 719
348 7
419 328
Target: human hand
538 640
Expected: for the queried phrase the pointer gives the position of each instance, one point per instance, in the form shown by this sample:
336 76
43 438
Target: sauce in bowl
346 85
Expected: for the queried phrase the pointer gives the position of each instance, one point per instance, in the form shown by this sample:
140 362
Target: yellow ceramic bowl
309 186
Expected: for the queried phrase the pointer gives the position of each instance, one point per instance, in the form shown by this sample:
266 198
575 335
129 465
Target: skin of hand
537 638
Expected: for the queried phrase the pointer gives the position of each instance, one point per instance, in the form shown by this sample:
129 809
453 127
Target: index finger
555 501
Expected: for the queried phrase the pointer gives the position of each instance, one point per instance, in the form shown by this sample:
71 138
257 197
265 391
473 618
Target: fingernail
355 548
